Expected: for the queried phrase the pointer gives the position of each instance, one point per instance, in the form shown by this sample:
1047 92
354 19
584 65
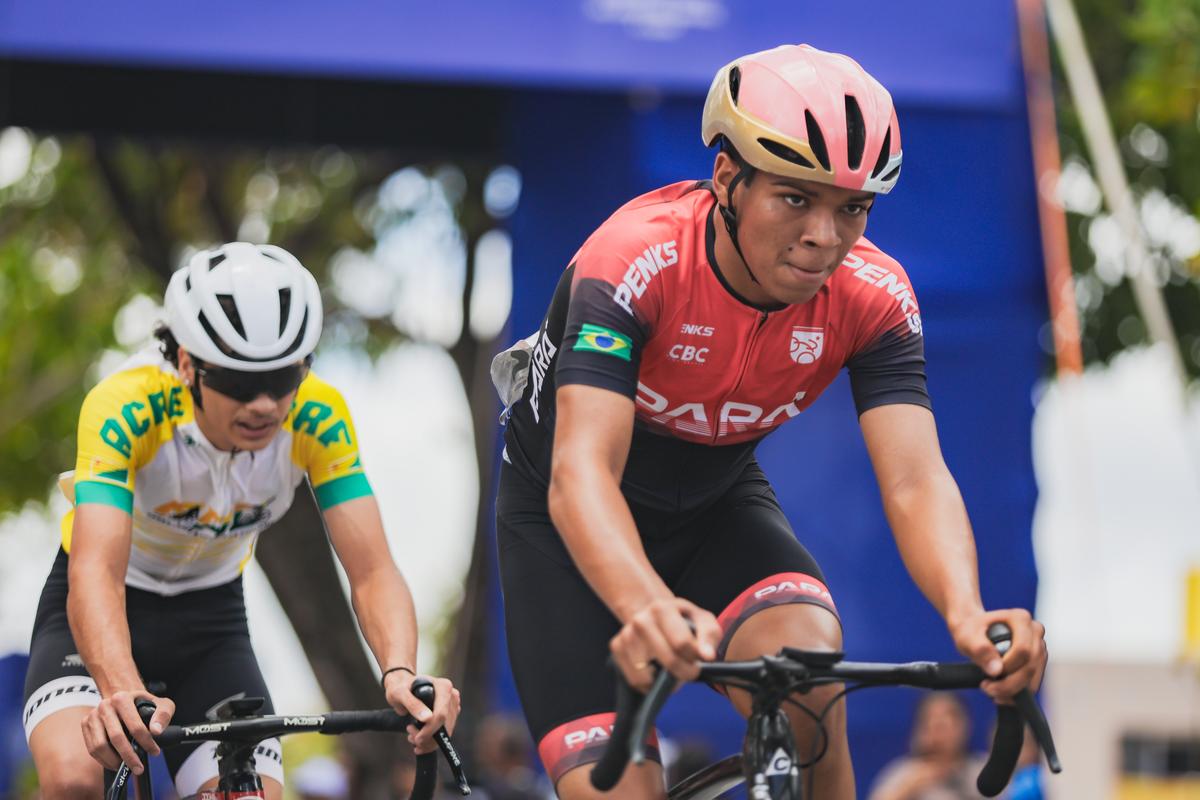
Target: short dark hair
167 343
726 146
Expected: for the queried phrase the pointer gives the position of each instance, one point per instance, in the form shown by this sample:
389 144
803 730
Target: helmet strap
194 387
729 215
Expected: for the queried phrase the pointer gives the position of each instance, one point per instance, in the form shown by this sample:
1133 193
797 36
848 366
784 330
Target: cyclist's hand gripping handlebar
116 787
1010 730
422 689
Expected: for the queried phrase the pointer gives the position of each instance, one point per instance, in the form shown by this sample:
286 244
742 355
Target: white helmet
246 307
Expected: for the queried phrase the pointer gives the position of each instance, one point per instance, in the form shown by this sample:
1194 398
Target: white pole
1097 130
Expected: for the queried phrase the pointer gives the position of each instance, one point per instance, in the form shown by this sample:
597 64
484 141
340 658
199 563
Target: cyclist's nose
820 230
264 404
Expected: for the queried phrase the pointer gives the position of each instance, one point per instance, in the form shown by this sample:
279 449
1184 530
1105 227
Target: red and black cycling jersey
643 310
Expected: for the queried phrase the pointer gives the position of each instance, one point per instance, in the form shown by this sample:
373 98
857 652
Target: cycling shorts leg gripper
582 741
774 590
201 765
58 694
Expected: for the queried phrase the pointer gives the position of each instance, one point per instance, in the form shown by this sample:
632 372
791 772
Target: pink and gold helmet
805 113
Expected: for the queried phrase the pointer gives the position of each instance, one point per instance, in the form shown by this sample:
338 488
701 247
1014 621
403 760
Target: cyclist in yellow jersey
186 454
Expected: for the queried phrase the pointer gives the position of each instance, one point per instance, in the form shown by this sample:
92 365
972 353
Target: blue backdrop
604 103
963 222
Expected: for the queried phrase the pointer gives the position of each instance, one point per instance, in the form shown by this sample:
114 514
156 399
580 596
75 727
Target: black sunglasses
245 386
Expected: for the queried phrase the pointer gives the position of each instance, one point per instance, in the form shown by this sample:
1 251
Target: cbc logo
689 353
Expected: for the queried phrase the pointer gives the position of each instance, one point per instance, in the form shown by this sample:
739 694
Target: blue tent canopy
936 52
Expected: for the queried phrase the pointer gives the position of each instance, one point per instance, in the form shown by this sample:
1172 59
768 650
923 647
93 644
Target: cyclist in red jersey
632 516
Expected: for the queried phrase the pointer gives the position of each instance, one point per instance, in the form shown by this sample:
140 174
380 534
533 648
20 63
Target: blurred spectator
1027 779
938 766
504 761
404 773
320 778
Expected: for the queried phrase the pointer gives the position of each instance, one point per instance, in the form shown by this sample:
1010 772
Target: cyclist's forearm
384 608
934 537
594 520
96 613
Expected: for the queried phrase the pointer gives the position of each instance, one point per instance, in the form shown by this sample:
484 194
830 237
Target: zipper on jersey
758 326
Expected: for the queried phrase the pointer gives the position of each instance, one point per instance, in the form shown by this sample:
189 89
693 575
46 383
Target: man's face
232 424
245 426
794 233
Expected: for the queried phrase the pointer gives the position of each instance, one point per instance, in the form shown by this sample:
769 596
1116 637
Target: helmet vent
891 175
816 140
214 338
786 153
229 306
856 133
735 83
229 351
882 161
216 259
299 337
285 305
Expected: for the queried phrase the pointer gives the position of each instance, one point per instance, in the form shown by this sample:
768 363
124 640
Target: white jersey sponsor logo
807 344
689 354
543 354
688 329
653 260
731 416
888 281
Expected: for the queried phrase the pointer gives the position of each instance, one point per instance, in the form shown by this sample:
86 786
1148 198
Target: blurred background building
436 165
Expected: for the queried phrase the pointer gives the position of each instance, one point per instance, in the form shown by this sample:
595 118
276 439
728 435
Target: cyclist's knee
644 782
64 767
805 626
70 783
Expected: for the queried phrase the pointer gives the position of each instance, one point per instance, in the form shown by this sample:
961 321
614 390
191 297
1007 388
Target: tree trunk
297 558
467 659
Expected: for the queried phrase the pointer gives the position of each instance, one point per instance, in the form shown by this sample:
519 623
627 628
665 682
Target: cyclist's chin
253 435
795 286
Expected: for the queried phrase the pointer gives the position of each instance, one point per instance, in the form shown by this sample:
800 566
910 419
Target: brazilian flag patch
602 340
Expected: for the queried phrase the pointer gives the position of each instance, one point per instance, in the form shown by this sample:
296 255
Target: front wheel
710 782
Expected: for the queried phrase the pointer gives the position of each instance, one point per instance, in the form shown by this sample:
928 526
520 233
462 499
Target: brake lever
1026 704
660 690
422 689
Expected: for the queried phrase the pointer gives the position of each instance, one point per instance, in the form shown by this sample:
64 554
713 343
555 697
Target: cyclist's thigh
558 632
58 695
748 560
228 670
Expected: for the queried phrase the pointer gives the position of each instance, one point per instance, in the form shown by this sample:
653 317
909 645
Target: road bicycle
239 730
768 763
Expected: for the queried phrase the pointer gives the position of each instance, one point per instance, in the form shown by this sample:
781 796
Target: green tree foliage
64 275
1147 57
86 225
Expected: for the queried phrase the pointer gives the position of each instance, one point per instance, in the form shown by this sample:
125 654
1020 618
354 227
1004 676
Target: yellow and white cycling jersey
197 510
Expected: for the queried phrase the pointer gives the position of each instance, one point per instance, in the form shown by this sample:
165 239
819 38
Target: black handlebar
636 712
254 729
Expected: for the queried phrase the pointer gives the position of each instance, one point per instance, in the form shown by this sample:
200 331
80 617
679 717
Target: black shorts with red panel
734 557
